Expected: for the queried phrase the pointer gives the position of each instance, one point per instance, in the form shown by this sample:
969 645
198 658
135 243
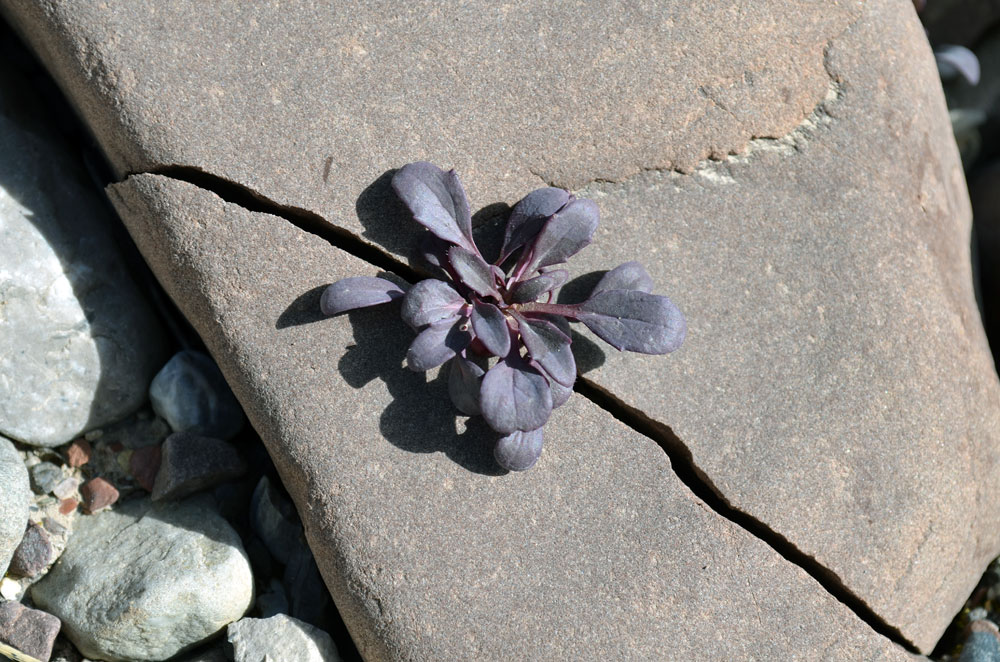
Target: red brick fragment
97 493
66 506
144 464
78 453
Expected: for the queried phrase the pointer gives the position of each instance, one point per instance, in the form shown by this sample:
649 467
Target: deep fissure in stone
681 460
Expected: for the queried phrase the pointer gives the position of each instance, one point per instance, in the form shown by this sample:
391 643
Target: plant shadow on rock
421 418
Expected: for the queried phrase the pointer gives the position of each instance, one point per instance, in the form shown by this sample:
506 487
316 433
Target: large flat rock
835 385
429 553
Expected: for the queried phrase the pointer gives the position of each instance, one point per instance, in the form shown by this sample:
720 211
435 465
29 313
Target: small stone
31 631
982 644
97 493
66 487
191 394
144 464
93 435
78 453
10 589
273 518
172 577
33 554
192 463
15 499
280 637
66 506
44 477
53 527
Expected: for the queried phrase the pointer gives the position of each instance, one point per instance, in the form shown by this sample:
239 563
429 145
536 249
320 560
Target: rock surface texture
171 579
15 498
80 343
835 385
279 638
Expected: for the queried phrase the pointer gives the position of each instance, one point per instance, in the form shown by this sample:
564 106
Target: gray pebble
44 477
273 519
15 498
190 394
190 463
280 638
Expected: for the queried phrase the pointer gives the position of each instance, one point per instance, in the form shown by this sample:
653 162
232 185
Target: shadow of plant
421 418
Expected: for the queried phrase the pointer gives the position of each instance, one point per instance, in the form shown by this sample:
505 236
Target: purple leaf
437 201
530 290
564 235
515 396
957 60
357 292
560 394
549 348
430 301
463 385
634 321
519 451
433 250
529 215
438 343
628 276
473 271
490 326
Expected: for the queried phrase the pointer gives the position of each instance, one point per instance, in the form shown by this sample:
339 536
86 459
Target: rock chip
173 577
44 477
280 637
30 631
274 520
97 493
429 553
144 464
33 554
191 394
15 499
78 453
191 463
80 343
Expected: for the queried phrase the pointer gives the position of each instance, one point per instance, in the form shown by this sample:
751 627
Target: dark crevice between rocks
687 471
680 456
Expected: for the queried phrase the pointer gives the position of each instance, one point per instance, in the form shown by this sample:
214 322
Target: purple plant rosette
505 309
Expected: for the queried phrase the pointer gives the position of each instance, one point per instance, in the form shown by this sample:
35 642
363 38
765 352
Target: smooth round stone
143 583
15 497
190 394
280 637
80 343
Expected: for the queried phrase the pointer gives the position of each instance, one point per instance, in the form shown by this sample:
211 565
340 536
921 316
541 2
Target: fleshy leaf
518 451
490 326
550 349
438 343
634 321
564 235
560 393
473 271
357 292
528 216
530 290
628 276
433 250
430 301
437 200
515 396
463 385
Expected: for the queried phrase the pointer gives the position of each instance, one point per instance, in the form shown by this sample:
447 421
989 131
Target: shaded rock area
430 553
80 343
15 496
171 578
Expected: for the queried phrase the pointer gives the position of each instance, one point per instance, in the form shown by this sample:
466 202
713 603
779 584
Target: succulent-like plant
504 309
